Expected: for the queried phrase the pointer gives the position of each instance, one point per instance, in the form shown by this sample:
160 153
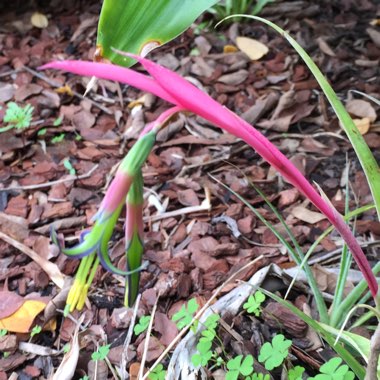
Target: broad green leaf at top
138 26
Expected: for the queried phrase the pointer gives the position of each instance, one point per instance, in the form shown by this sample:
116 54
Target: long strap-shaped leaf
365 156
139 26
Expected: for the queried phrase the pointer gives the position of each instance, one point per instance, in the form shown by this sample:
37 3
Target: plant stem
371 373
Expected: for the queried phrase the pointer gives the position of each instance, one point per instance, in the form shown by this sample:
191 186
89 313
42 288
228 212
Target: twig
147 336
52 183
371 372
50 268
56 85
336 252
198 315
204 206
124 358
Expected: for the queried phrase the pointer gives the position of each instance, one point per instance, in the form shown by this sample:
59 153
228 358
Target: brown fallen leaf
21 320
361 108
306 215
253 48
363 125
10 302
68 365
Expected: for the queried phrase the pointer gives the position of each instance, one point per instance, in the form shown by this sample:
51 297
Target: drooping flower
171 87
93 244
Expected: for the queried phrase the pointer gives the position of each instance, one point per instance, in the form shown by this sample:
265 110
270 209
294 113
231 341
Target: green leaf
35 331
254 302
17 116
234 363
333 370
137 26
102 353
212 321
57 139
67 164
363 152
41 132
3 332
339 348
246 367
273 354
185 315
204 346
58 121
142 325
158 373
296 373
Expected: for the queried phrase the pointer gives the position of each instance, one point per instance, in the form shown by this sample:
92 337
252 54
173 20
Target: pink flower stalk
173 88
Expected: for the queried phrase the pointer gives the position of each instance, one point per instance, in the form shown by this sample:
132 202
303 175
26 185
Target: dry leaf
361 108
253 48
39 20
68 365
308 216
363 125
10 302
229 49
23 318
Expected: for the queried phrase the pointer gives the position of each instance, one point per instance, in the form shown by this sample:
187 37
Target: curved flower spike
173 88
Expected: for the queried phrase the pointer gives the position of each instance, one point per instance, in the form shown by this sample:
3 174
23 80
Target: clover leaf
158 373
205 354
237 366
184 316
296 373
253 303
273 354
102 353
333 370
142 325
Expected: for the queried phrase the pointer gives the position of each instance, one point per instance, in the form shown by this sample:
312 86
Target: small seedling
296 373
68 165
85 377
58 121
185 315
333 370
142 325
66 348
17 117
57 139
102 353
3 332
254 302
35 331
42 132
158 373
273 354
237 366
204 356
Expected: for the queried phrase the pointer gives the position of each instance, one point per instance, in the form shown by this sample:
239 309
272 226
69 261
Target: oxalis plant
127 185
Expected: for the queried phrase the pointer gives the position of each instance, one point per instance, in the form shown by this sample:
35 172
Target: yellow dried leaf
21 320
363 124
39 20
66 89
253 48
229 49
